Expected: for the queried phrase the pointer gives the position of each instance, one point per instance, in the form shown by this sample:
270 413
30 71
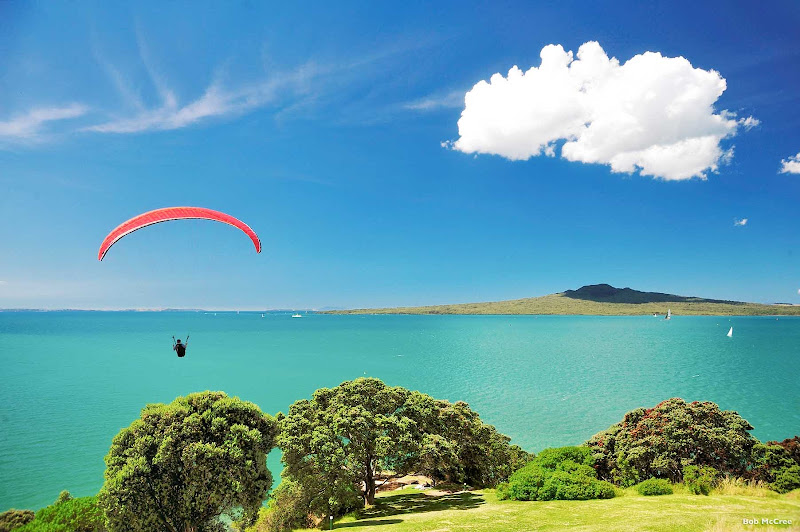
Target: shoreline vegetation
598 300
366 455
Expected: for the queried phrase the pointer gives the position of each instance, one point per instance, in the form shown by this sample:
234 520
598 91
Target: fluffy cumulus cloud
653 114
791 165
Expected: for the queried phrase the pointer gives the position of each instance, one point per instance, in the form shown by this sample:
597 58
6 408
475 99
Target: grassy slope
559 304
411 511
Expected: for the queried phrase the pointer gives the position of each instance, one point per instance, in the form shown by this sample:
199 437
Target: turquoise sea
71 380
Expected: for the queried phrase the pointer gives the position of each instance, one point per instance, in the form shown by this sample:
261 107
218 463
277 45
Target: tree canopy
182 465
335 444
660 441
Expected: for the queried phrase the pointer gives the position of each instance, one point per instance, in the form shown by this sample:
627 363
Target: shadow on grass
368 522
418 502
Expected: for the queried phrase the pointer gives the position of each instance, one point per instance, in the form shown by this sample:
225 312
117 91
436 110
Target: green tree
182 465
658 442
335 444
457 446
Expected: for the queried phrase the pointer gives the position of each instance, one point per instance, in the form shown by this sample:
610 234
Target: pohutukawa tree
659 441
181 466
335 444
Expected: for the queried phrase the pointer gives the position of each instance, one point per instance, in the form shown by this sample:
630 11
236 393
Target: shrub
787 480
775 463
768 460
563 473
655 486
67 515
502 491
657 442
12 519
563 486
287 510
41 526
524 485
699 479
557 457
64 496
792 446
290 508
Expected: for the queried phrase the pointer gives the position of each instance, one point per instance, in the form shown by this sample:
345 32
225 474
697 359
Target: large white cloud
654 114
791 165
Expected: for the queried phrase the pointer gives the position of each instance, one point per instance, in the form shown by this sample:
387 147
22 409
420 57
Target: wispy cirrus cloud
31 124
740 222
791 165
217 100
149 99
452 99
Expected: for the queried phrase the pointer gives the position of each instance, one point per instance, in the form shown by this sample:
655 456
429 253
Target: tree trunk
369 484
369 493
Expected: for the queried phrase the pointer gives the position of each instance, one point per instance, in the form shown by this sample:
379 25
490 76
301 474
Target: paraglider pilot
178 347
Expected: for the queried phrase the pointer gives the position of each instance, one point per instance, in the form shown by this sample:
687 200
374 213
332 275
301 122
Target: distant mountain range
600 299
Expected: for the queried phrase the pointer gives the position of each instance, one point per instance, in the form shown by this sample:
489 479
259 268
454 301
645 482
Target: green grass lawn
409 510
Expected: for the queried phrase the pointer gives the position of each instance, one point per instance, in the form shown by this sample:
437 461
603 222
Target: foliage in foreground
336 444
11 519
654 486
182 465
67 515
700 479
660 441
792 447
563 473
777 464
288 510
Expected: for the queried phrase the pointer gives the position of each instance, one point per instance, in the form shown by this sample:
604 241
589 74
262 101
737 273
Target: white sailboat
297 315
669 314
730 333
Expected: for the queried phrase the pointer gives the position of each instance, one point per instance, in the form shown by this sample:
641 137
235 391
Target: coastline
559 304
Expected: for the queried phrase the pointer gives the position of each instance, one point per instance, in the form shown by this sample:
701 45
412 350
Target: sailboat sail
730 333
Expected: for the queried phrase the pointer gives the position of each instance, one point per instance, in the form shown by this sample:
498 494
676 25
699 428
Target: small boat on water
730 333
297 315
669 314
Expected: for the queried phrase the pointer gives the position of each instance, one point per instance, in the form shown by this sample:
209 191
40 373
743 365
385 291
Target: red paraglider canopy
173 213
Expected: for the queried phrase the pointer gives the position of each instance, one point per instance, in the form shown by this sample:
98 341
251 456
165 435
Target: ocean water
72 380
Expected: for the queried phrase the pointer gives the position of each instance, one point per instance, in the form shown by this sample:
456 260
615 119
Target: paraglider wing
173 213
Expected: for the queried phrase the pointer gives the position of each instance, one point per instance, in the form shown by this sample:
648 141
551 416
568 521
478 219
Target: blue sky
341 134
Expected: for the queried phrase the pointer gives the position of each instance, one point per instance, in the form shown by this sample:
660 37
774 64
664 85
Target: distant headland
600 300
